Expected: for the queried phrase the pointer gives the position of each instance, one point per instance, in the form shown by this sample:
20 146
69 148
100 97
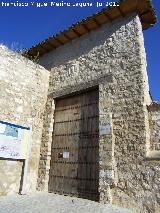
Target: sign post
24 181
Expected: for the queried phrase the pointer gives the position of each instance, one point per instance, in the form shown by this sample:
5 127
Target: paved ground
51 203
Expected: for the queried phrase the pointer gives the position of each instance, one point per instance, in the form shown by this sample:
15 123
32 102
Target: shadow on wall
85 44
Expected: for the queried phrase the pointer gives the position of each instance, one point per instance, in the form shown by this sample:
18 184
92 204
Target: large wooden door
75 148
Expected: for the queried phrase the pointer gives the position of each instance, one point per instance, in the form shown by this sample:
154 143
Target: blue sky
23 27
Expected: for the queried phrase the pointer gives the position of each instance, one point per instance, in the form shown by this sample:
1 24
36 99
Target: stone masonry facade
23 94
112 58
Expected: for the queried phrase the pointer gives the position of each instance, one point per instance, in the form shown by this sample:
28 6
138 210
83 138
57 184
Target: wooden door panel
75 150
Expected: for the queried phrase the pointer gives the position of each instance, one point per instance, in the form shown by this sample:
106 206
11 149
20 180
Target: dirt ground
52 203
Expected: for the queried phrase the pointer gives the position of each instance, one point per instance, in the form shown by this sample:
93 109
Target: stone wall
112 57
23 93
154 121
